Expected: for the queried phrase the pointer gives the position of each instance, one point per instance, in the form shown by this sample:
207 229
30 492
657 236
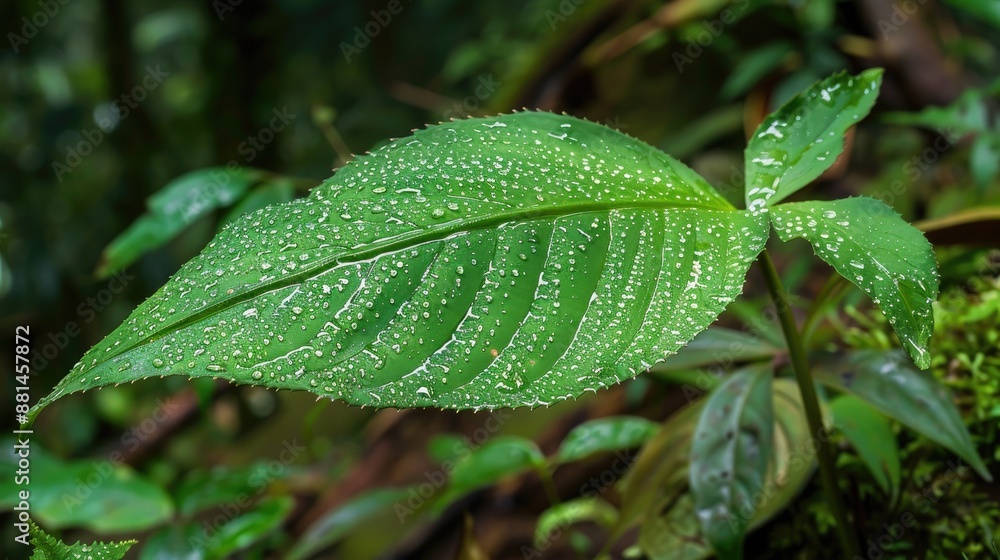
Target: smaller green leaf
869 244
869 433
338 523
914 398
172 208
249 528
174 542
561 516
500 457
730 453
48 547
718 345
203 489
605 434
113 498
798 142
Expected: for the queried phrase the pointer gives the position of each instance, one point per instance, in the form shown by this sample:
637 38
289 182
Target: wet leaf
605 434
517 260
93 494
888 382
869 433
730 452
336 524
173 208
869 244
48 547
798 142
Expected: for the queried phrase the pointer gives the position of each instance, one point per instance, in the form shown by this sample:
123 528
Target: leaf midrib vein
377 249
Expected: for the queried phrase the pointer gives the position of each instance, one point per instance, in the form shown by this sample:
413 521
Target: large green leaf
798 142
914 398
506 261
730 453
869 244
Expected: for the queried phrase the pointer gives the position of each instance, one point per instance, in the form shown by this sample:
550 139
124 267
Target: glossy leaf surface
518 260
888 382
798 142
868 243
730 453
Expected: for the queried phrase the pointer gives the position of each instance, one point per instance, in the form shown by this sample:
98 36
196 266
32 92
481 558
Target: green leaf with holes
888 382
518 260
802 139
868 243
730 452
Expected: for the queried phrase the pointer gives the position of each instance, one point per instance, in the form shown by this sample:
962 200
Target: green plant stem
800 364
549 484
